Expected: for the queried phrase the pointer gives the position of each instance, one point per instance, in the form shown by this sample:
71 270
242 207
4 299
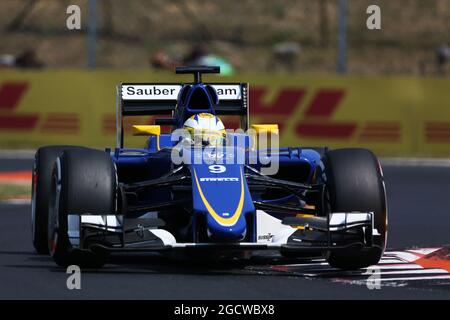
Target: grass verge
14 191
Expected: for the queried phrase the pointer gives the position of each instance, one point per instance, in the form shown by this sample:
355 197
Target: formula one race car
205 191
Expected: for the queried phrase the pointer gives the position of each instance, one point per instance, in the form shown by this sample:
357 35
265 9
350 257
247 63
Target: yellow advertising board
394 116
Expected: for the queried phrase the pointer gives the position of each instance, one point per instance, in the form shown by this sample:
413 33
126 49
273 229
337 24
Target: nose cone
219 233
221 194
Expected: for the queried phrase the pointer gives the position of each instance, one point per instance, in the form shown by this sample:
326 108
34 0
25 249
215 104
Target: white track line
382 273
16 201
413 269
387 261
442 277
303 264
416 271
396 266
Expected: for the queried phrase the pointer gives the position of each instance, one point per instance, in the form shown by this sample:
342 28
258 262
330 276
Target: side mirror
262 141
268 128
146 130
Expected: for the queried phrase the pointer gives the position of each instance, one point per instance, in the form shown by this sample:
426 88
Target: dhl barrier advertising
394 116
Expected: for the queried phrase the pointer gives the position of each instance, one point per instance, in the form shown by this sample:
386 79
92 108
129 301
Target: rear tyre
84 181
40 192
355 183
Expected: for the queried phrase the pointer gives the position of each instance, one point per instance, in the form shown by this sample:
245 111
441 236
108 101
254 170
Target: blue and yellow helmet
205 128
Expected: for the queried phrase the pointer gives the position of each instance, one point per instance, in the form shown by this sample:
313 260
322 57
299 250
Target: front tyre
40 192
84 181
355 182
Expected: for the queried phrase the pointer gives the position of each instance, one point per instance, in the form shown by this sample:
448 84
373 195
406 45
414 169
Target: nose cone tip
232 233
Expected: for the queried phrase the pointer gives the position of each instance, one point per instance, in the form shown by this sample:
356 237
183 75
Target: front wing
114 233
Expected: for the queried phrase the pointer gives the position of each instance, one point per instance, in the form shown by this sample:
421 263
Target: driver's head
205 128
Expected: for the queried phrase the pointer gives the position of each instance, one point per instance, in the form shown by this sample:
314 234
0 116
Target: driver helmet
205 128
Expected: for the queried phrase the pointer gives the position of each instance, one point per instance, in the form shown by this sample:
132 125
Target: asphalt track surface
419 216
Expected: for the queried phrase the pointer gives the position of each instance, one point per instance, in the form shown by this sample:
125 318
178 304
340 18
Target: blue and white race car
203 190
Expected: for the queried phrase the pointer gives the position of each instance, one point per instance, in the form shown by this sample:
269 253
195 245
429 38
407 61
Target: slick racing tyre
83 181
355 182
40 192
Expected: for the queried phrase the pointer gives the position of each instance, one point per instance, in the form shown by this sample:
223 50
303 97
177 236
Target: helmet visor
207 137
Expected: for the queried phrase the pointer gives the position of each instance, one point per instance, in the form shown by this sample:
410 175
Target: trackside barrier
392 115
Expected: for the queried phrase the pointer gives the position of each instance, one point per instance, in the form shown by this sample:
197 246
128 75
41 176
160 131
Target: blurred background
285 36
314 67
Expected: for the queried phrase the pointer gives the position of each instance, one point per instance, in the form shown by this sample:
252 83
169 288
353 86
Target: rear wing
161 98
137 99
